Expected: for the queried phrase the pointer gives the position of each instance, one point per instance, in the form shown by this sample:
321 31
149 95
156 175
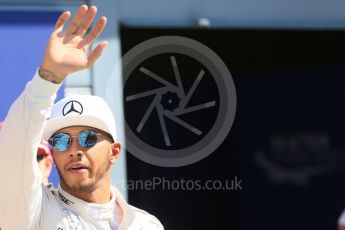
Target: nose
78 153
75 150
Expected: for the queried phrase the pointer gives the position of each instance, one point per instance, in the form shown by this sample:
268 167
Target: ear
115 152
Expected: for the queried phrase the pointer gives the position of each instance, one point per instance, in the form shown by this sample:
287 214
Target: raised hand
67 51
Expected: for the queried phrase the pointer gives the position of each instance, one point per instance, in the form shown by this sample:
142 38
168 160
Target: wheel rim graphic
170 101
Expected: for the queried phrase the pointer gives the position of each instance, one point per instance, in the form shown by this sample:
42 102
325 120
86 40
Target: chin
82 187
77 184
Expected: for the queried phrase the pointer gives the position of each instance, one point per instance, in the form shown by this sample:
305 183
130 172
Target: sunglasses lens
61 141
87 139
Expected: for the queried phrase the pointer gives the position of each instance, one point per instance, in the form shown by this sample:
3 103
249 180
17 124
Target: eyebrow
88 129
70 132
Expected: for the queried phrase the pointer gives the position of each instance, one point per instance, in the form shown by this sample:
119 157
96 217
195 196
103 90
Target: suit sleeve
21 194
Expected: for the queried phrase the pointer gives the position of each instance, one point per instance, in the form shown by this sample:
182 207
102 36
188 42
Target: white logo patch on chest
71 221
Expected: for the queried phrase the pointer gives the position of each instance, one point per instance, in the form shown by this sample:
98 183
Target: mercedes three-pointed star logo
72 106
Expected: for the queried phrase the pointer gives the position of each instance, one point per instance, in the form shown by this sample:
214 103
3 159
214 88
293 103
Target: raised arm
66 52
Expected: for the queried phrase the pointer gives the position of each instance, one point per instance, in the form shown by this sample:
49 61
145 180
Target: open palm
67 51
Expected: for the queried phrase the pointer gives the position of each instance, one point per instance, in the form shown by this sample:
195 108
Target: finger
95 32
96 53
76 20
84 26
62 21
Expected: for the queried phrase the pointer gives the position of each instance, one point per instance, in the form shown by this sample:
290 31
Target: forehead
76 129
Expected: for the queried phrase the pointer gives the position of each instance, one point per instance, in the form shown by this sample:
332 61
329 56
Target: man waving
82 134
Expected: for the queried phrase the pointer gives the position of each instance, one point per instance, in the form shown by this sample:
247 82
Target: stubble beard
83 187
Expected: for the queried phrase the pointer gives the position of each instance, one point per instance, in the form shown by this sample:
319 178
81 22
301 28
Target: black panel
286 143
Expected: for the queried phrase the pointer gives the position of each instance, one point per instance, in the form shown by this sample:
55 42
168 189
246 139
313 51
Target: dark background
286 143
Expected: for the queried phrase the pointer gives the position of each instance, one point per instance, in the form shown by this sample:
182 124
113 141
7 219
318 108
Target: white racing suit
24 202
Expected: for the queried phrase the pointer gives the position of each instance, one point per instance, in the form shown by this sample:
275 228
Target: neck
100 193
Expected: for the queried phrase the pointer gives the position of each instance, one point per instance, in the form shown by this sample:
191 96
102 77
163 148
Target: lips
77 168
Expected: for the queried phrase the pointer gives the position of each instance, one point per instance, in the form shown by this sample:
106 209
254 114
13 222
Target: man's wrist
49 75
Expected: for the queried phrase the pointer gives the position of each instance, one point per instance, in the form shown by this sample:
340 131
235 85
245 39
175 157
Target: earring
113 161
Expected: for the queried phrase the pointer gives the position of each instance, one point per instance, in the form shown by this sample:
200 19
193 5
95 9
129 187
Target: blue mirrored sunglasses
86 139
